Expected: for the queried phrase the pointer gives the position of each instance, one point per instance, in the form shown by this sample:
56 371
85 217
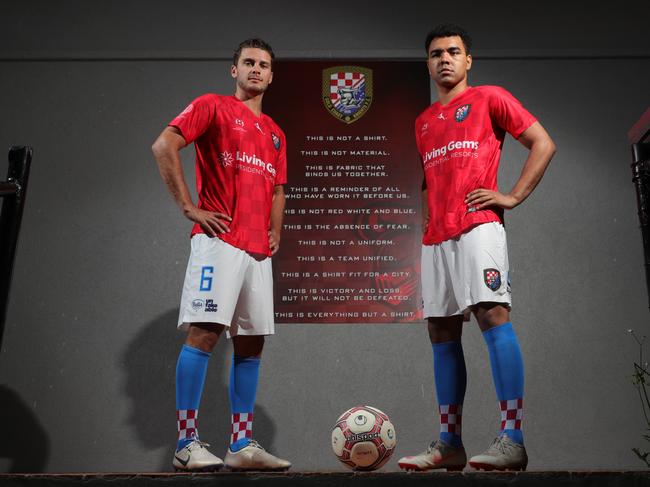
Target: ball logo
360 420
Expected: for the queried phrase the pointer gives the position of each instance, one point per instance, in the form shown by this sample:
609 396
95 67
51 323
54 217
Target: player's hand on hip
274 242
213 223
481 198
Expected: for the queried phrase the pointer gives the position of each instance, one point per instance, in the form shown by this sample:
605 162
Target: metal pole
641 179
13 192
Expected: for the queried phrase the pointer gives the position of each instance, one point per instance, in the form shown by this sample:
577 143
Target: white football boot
502 454
254 457
438 455
195 457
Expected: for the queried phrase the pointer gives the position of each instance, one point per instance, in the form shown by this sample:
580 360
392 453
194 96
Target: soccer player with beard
464 252
240 171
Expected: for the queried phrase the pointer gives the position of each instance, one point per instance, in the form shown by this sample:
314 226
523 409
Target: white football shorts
461 272
229 286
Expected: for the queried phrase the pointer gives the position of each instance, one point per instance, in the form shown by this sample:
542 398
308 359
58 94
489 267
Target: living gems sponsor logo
248 162
455 148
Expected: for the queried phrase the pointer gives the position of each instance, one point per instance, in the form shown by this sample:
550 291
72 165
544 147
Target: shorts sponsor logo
197 304
492 278
462 112
210 306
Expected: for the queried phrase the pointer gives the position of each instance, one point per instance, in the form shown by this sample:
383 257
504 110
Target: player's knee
203 336
490 315
446 329
248 346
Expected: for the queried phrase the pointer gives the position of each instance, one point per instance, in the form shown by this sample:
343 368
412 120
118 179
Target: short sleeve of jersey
196 118
418 131
418 142
508 112
281 174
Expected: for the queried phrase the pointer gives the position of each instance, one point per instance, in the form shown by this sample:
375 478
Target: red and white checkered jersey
240 158
460 146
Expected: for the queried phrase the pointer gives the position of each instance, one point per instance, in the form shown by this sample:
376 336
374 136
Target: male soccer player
240 169
464 254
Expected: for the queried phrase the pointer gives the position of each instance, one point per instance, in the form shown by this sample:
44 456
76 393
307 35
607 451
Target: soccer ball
363 438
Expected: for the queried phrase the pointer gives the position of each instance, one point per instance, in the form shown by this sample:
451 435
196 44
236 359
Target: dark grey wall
89 351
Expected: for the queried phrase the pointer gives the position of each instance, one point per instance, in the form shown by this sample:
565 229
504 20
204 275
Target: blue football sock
508 374
244 375
451 380
191 369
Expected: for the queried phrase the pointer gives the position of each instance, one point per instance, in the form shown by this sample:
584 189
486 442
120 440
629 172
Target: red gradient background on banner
350 246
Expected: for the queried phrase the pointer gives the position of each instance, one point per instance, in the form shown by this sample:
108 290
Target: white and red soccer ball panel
363 438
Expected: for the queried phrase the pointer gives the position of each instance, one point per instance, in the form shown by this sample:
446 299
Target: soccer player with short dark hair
464 254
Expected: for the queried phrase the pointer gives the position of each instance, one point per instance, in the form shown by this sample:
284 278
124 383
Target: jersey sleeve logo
276 141
462 112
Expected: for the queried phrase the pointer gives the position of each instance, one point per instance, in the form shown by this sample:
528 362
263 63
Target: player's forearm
171 170
425 207
277 210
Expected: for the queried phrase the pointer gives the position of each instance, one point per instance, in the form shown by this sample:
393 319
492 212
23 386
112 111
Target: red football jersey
240 158
460 146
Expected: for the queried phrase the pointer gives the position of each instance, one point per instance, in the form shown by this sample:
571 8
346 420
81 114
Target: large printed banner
352 232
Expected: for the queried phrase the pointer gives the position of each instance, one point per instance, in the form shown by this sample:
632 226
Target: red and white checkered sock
451 418
512 413
187 423
242 426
